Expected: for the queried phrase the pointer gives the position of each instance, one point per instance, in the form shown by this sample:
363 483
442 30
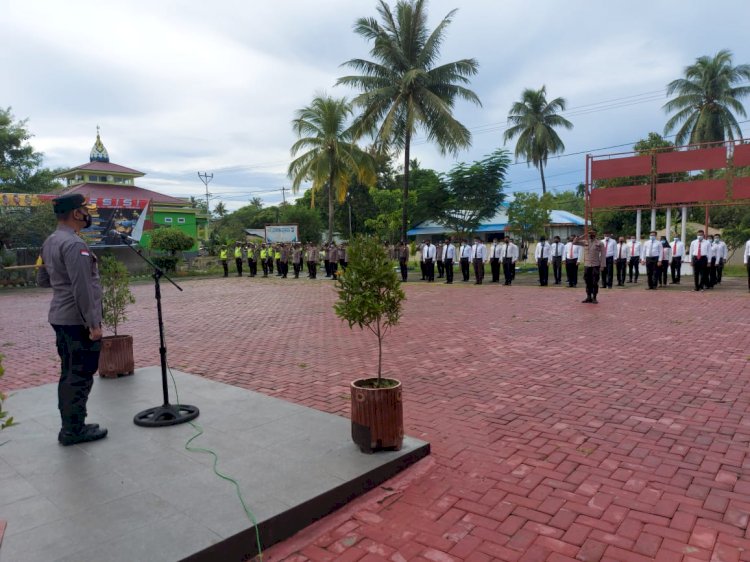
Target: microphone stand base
167 414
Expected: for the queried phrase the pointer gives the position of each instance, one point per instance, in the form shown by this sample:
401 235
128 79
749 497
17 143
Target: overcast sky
185 86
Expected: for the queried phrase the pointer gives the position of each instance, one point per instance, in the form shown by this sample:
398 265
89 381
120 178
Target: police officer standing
541 255
556 253
223 257
238 257
449 254
75 314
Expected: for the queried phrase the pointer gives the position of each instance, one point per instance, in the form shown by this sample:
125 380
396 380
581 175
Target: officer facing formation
75 314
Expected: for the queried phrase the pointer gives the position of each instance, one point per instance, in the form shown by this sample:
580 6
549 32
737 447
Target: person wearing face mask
634 259
678 251
75 314
572 257
509 254
621 260
664 259
700 251
609 254
651 257
711 267
746 261
594 263
722 253
541 255
556 255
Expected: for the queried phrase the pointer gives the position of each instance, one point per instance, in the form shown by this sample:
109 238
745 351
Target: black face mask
87 220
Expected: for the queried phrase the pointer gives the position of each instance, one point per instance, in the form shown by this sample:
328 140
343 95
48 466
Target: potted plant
116 357
370 296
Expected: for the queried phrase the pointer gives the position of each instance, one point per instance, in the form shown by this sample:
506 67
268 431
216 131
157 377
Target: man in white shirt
556 255
621 260
746 261
634 259
495 260
664 259
700 253
541 255
439 258
429 261
572 258
421 260
478 255
678 252
510 256
465 256
711 275
722 254
609 254
651 256
449 254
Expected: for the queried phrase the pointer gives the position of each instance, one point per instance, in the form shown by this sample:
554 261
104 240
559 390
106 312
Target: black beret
68 202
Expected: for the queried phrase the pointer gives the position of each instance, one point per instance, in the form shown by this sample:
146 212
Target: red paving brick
559 431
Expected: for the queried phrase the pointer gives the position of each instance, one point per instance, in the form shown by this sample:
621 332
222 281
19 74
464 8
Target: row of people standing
280 255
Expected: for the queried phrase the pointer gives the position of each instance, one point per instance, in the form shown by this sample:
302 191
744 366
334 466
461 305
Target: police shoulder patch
85 252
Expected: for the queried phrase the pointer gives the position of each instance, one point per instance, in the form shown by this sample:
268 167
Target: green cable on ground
200 432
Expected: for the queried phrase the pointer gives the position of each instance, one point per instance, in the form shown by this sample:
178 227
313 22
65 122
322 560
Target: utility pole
283 194
206 179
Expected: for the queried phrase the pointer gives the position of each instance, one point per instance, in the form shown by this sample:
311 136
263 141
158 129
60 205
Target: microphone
122 236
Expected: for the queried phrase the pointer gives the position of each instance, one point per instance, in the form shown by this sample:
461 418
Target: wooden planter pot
377 416
116 358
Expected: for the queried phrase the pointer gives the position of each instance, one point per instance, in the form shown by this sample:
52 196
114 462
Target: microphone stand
166 414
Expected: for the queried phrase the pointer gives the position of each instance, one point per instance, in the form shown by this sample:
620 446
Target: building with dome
120 202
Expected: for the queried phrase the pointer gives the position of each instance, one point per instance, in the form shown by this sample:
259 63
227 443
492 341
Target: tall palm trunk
544 185
330 207
404 213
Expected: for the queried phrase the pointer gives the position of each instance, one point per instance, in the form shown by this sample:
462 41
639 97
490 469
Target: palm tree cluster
404 89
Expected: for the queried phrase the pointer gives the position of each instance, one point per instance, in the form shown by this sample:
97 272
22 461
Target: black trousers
495 269
633 268
479 270
440 268
712 272
404 269
719 270
225 265
334 268
700 266
542 265
675 269
652 272
557 269
252 266
270 265
748 276
449 270
312 268
607 272
621 267
465 268
591 277
508 270
342 264
238 265
297 265
429 269
283 267
79 360
423 269
571 270
663 271
278 267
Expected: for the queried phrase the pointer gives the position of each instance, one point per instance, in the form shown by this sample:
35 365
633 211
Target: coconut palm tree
533 121
404 89
332 158
705 100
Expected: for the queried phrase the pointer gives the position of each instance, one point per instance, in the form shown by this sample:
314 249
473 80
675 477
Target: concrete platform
138 495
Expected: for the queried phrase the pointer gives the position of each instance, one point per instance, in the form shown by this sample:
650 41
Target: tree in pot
370 296
117 350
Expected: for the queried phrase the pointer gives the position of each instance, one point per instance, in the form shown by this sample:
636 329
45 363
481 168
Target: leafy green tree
475 192
198 203
332 157
386 224
369 292
220 210
405 89
533 121
116 295
569 201
307 220
20 166
27 228
528 214
707 99
431 196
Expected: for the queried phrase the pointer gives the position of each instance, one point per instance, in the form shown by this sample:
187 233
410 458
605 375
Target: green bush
116 295
167 263
369 291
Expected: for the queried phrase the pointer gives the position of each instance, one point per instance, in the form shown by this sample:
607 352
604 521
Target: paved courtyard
560 431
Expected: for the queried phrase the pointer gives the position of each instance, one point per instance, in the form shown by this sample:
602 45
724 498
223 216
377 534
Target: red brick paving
559 431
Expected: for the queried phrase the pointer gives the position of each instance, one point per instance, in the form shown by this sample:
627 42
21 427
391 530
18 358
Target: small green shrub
116 295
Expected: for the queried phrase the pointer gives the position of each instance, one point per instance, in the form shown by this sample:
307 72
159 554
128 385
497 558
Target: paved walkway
560 431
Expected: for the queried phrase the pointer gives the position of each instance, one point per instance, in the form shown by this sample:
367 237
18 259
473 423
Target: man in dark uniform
403 259
75 314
